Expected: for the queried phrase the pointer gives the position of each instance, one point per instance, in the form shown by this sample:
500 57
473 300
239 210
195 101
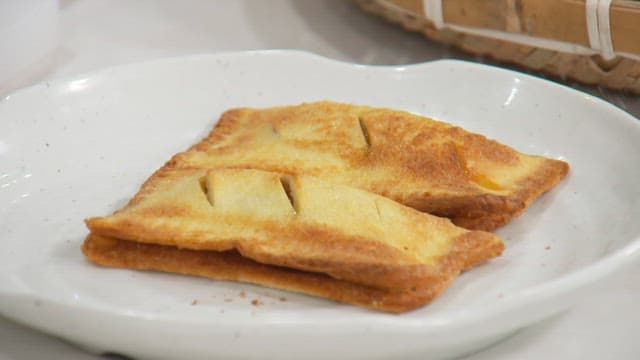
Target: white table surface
92 34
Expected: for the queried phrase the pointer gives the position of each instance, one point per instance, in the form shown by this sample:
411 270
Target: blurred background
43 39
46 39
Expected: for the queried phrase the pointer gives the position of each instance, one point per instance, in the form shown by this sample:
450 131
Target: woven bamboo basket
591 41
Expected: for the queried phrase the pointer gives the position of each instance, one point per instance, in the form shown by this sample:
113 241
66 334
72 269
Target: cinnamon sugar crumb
283 299
242 294
194 302
256 302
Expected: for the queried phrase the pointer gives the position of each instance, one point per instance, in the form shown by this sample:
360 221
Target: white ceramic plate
81 147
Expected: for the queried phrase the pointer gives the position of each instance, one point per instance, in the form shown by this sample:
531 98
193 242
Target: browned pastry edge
472 213
230 265
370 263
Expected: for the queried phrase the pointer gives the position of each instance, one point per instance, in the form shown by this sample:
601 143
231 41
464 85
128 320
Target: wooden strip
512 52
538 59
414 6
625 26
559 20
586 70
617 76
486 14
562 20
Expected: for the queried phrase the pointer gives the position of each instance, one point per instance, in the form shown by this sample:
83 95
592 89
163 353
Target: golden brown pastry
299 222
425 164
301 198
229 265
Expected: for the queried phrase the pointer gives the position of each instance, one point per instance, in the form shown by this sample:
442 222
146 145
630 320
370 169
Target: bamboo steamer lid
592 41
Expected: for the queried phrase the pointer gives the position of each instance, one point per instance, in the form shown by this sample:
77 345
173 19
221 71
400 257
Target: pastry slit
365 133
204 186
286 186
